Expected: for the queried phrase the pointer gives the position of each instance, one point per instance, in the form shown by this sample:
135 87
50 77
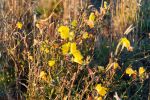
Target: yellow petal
92 17
78 61
77 55
101 90
73 47
105 5
116 65
19 25
64 32
98 87
130 71
125 42
65 48
51 63
141 71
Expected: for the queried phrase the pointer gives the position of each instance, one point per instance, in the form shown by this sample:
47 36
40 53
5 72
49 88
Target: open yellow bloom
51 63
64 32
92 17
43 75
126 43
141 71
77 57
19 25
101 90
65 48
130 71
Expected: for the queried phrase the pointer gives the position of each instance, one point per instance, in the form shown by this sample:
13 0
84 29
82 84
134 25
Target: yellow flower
73 47
141 71
85 35
126 43
19 25
64 32
105 5
71 35
74 23
78 61
51 63
43 75
77 57
130 71
92 17
116 65
65 48
101 90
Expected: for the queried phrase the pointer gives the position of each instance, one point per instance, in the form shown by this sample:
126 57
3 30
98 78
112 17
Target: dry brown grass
124 13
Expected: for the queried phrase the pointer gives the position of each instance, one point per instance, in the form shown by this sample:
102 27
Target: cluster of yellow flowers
130 71
71 48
